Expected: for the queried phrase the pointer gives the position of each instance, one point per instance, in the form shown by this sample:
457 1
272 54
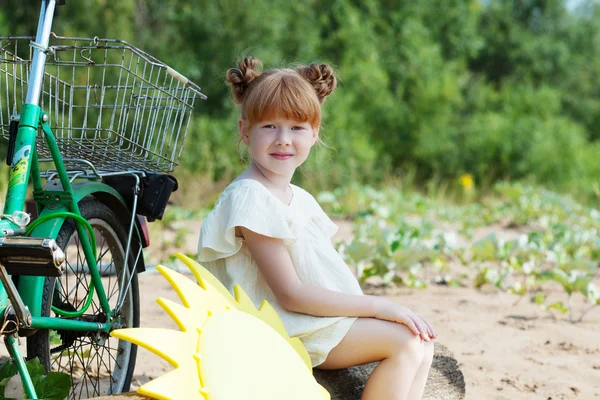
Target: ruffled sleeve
249 206
318 217
324 223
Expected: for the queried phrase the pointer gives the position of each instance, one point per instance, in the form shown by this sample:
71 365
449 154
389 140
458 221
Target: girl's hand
393 312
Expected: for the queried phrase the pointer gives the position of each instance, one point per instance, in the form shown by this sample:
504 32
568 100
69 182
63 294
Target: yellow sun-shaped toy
226 349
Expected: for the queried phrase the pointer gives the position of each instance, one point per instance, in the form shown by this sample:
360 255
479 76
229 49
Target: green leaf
359 250
539 298
481 278
54 386
7 371
518 289
377 268
35 369
559 276
369 272
559 305
410 256
485 249
581 283
509 247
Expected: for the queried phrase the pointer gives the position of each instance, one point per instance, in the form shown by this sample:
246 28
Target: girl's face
279 146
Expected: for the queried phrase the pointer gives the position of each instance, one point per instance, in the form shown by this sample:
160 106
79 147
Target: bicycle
111 121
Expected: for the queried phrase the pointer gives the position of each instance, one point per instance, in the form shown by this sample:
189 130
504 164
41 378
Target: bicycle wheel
98 364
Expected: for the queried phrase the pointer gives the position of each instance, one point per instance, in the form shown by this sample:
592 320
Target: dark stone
445 381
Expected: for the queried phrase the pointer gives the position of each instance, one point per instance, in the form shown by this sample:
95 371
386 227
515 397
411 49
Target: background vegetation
434 89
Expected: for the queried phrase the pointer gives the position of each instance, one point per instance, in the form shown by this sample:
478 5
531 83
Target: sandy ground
505 350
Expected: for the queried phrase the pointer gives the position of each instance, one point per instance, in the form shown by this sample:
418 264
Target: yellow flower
466 181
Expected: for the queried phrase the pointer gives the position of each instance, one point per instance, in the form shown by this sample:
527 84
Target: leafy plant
403 238
50 386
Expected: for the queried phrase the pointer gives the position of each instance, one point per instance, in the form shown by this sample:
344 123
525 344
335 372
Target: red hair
295 94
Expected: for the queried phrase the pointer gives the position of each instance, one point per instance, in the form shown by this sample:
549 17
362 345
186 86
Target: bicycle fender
31 287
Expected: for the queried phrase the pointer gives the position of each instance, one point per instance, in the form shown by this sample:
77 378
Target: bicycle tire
111 237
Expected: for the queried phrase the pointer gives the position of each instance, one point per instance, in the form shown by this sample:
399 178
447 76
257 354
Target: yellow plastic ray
190 293
227 349
181 384
172 346
203 276
244 302
186 319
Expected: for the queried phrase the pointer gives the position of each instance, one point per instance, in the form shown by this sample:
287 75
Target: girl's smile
282 156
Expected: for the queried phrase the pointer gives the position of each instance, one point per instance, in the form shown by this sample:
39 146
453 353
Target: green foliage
7 371
499 90
51 386
403 238
212 152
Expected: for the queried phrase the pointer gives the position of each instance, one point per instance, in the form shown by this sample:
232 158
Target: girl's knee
407 345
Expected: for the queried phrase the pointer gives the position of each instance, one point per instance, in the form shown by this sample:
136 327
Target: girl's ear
315 137
243 129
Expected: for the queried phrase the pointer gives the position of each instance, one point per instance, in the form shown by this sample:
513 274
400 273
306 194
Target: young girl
274 240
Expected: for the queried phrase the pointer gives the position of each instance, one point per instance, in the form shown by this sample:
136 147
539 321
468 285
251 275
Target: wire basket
108 102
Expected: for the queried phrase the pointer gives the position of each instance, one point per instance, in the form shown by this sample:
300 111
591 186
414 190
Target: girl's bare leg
418 385
402 355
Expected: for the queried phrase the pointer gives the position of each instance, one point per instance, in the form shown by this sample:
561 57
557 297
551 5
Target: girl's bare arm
275 264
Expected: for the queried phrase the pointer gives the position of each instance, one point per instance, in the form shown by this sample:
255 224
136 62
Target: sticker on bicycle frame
18 170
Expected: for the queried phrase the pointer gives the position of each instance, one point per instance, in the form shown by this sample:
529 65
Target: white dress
306 232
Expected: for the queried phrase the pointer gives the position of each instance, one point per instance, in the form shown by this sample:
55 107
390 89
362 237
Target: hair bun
321 78
239 79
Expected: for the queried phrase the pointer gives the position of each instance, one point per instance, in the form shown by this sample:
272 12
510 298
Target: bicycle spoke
108 368
115 288
79 280
100 257
82 379
99 362
86 368
70 371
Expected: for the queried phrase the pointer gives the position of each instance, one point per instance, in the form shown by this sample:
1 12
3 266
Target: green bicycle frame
25 165
15 201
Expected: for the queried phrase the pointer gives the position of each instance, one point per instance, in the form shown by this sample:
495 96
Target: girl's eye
297 128
269 126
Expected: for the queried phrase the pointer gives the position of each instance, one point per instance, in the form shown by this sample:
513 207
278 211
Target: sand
505 351
506 348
